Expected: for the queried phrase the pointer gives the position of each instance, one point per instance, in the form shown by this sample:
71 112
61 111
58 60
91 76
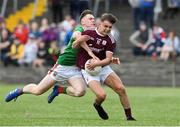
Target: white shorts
101 77
63 73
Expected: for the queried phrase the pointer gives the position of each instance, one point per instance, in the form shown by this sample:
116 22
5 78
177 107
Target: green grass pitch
150 106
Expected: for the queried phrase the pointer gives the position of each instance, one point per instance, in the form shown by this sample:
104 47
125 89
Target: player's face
105 27
88 21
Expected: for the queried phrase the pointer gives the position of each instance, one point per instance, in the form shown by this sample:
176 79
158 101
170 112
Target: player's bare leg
35 89
114 82
76 88
100 97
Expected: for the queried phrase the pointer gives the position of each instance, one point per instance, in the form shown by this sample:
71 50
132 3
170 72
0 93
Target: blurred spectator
44 25
74 9
57 10
34 29
171 46
172 9
141 39
50 34
30 51
15 54
67 23
4 44
42 55
68 37
147 12
1 19
159 37
21 32
157 9
116 35
2 23
84 4
135 4
53 53
65 26
78 6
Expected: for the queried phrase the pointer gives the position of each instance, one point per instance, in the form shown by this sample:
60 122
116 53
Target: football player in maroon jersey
102 45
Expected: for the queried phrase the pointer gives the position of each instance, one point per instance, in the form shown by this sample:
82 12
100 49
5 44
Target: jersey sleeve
79 28
87 32
111 44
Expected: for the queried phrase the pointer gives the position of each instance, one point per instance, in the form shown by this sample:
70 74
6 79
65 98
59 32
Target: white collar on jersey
98 32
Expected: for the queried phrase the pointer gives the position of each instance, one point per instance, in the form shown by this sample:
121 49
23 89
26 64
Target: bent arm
79 40
105 61
88 50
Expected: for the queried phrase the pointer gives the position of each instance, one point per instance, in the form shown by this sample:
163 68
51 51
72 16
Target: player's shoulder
110 36
90 29
79 28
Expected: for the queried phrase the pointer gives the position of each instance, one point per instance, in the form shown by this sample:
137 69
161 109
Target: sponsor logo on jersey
104 42
98 41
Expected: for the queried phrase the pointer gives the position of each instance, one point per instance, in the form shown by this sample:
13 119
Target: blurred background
34 32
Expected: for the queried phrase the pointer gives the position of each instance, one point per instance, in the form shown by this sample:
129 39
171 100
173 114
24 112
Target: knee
101 96
80 93
120 90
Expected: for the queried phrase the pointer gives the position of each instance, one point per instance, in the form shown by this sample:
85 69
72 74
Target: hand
92 55
115 60
75 44
92 64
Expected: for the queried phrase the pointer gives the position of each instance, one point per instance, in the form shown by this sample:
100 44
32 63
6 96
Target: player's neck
88 28
99 33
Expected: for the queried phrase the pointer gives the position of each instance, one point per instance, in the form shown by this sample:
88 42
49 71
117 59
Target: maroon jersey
98 44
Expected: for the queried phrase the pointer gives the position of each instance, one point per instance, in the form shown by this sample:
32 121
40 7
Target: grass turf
150 106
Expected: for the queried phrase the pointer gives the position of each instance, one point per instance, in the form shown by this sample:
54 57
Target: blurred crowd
37 45
149 38
30 44
75 8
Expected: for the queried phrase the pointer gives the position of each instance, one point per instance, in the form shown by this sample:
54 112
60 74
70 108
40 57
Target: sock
62 90
21 91
96 104
128 112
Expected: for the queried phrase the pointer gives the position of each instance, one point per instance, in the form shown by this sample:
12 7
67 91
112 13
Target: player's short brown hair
84 13
109 17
